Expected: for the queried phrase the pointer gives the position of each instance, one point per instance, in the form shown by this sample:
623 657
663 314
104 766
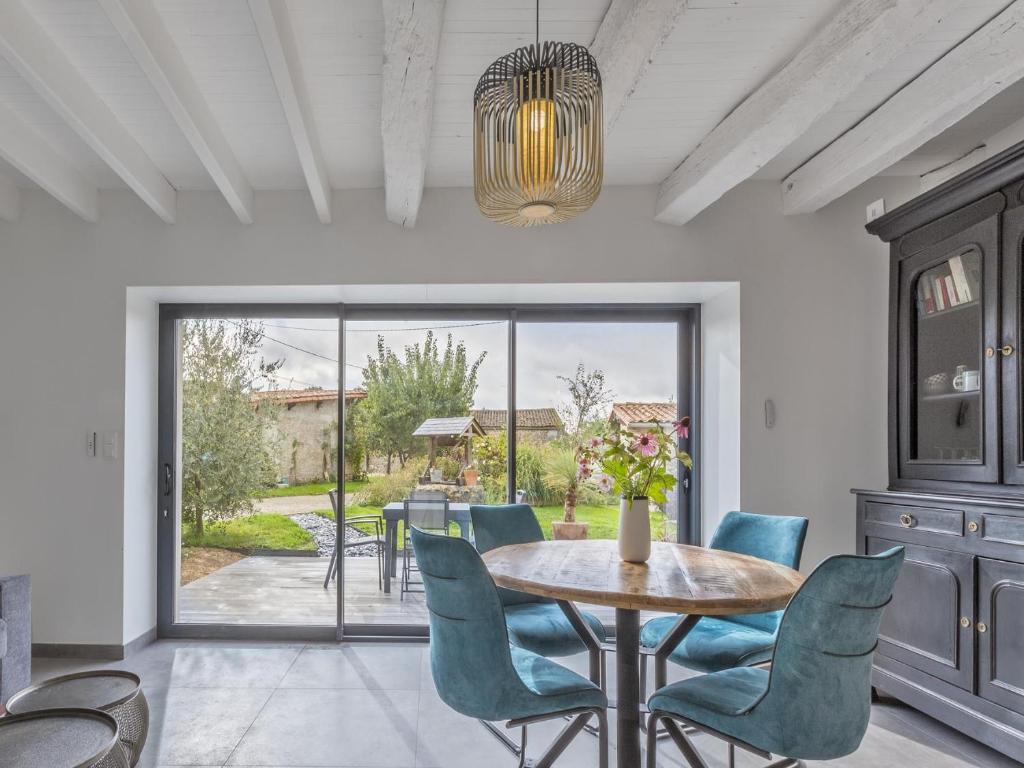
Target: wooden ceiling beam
275 30
862 38
412 36
986 63
24 150
630 34
39 60
139 24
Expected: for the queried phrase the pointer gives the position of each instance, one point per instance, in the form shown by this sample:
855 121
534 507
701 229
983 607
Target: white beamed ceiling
719 53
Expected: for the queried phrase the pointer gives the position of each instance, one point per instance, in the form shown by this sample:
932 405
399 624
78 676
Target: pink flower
682 427
646 445
583 471
595 442
604 483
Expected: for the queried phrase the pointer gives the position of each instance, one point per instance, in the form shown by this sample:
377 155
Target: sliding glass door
298 443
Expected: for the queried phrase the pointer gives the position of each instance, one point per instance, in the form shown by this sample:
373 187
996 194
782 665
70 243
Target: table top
453 506
678 578
92 689
56 737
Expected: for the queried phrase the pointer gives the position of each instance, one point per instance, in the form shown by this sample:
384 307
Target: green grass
310 489
604 521
251 532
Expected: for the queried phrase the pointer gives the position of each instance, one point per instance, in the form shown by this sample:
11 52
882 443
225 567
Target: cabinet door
947 386
1009 342
1001 644
922 625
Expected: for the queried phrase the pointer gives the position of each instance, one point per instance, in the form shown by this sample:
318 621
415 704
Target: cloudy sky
639 359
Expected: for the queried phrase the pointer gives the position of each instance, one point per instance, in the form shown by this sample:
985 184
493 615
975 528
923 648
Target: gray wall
812 301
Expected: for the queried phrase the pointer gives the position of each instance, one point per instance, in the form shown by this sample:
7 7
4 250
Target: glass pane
948 351
425 422
575 382
257 452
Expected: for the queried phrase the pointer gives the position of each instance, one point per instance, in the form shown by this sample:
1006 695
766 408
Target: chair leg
577 722
684 744
731 755
330 566
652 740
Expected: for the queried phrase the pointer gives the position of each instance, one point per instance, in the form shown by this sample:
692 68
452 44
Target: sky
638 359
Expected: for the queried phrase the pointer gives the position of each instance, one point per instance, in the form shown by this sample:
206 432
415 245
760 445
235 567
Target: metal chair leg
578 721
330 566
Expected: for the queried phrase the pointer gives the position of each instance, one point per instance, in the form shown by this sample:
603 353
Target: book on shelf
963 288
961 285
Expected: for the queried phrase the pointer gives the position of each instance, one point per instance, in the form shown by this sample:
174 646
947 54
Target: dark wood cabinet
952 641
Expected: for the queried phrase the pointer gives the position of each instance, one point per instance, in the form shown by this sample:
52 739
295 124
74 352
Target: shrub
383 489
449 467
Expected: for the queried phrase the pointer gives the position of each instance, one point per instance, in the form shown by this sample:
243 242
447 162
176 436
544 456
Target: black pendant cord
537 28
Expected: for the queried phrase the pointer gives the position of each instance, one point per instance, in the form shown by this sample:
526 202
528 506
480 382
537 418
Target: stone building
537 424
306 431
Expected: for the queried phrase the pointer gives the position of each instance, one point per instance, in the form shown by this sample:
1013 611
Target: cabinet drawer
1002 529
925 519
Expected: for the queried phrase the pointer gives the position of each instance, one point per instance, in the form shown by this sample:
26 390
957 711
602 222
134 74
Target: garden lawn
309 489
604 521
251 532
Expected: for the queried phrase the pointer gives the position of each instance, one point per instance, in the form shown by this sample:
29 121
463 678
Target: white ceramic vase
634 530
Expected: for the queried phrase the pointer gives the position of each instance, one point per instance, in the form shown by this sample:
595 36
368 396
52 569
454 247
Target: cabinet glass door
1009 352
947 384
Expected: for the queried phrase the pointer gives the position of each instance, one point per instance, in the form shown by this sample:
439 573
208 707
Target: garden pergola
446 432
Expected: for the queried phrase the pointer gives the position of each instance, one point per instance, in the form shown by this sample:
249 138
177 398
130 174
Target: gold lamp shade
538 147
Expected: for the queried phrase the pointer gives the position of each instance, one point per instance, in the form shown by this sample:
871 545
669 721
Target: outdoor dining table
691 581
394 513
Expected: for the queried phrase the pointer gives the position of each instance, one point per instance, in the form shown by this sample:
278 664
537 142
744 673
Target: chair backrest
469 651
429 514
496 525
422 494
819 694
769 537
333 493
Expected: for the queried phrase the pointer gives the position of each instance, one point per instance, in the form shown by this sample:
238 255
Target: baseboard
94 651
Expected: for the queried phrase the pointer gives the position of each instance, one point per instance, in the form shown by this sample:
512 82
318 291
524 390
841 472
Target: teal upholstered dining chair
477 672
534 623
735 641
815 701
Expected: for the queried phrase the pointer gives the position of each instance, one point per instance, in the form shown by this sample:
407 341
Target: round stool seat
114 691
61 738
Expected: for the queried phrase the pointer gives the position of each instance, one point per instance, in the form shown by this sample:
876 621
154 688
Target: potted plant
567 472
470 476
637 466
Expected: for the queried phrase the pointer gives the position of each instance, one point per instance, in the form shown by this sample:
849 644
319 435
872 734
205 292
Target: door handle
1007 350
168 480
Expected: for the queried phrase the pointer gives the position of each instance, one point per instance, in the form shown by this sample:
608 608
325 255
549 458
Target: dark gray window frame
688 378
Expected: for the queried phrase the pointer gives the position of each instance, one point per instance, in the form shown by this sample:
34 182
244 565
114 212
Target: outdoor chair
375 539
814 702
715 644
428 514
534 623
475 669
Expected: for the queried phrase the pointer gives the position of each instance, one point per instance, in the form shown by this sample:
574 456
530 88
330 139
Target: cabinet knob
990 351
965 622
1007 350
982 627
906 520
973 526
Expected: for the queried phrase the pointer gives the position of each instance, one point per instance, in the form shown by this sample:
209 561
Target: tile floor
374 705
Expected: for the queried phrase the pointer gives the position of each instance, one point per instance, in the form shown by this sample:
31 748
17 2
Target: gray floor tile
199 726
368 666
309 727
227 667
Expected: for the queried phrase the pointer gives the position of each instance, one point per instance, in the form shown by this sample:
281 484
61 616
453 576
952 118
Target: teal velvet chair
478 673
534 623
814 702
734 641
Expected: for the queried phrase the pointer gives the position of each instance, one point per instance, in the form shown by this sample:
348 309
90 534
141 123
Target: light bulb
536 137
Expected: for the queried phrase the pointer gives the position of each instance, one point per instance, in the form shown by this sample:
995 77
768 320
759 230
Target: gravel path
322 531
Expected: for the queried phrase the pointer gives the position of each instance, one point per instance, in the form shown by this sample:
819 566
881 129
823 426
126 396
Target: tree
401 393
588 394
225 451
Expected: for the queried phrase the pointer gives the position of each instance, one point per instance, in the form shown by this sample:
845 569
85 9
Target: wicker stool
114 691
61 738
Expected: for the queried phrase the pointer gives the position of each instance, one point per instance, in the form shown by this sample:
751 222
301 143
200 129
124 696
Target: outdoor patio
290 590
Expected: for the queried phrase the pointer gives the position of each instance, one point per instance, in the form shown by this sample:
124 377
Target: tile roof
295 396
644 413
492 419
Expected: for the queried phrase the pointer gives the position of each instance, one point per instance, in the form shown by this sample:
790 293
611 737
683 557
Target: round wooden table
692 581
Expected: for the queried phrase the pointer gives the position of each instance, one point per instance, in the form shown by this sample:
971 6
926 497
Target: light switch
90 444
111 447
876 209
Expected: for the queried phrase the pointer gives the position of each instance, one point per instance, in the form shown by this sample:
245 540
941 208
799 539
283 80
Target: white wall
812 300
